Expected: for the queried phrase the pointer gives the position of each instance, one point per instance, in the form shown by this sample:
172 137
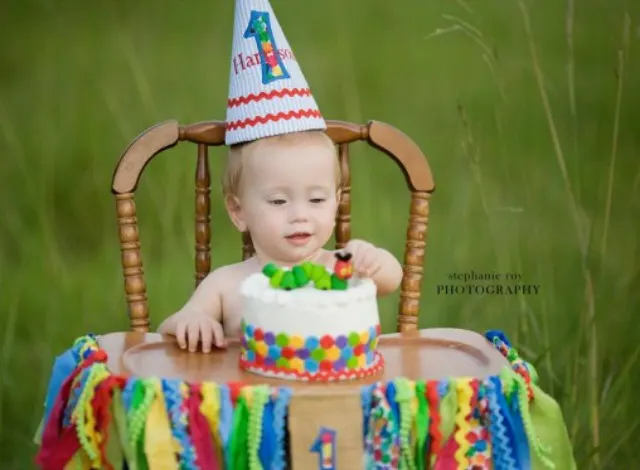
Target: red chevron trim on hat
251 122
252 97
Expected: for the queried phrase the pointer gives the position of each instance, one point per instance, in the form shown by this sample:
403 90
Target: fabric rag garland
454 424
95 419
101 420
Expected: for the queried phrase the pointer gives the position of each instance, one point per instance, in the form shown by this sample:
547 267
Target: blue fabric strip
280 411
505 412
63 367
491 335
500 435
179 427
391 399
366 396
520 436
226 420
268 442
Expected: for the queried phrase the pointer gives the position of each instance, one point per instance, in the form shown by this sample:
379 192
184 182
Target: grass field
528 112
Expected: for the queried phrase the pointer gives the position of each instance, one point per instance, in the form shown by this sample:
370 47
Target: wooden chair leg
413 262
134 283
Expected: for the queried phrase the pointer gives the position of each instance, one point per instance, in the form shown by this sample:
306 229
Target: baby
284 191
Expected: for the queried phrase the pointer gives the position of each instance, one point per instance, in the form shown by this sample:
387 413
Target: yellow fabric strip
210 409
159 445
465 393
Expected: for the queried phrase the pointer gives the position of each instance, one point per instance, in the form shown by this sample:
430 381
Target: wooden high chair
416 354
394 143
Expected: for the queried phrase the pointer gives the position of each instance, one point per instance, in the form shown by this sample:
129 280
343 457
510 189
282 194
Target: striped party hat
268 93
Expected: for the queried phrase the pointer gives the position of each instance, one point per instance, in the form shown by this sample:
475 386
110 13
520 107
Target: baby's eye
318 200
277 202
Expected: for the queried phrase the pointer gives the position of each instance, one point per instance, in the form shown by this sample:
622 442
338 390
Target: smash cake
309 323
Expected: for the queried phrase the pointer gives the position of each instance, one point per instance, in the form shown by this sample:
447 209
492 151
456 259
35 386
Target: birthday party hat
268 93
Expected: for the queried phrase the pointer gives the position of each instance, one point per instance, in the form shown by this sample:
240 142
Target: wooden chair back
165 135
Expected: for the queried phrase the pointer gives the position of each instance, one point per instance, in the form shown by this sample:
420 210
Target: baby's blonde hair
237 155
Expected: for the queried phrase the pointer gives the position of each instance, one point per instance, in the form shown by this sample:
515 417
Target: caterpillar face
343 269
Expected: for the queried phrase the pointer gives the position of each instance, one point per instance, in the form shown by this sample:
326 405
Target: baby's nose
298 213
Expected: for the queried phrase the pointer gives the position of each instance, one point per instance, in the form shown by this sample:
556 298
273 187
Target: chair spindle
203 214
413 262
134 284
343 218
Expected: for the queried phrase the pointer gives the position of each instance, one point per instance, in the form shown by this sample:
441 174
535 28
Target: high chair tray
428 354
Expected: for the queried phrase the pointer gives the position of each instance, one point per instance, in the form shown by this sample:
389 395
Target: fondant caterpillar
301 274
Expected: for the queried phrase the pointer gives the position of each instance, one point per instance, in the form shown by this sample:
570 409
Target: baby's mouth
298 236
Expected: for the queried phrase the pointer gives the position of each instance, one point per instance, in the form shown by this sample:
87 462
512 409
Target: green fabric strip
551 430
239 441
120 420
448 410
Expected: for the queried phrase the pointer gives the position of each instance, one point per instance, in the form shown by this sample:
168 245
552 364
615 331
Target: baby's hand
193 326
365 257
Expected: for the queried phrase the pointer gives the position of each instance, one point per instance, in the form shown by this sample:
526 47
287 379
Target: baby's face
288 200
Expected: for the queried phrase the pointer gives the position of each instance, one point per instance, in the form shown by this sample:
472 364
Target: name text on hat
242 62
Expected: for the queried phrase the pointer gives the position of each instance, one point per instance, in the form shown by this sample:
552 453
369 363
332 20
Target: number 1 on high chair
325 447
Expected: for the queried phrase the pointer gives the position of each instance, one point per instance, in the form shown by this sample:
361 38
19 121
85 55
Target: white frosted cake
323 330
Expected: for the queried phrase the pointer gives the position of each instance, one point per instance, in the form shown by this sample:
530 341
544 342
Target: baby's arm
389 274
201 317
377 263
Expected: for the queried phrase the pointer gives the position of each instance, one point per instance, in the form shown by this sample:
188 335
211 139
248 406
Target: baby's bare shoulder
233 273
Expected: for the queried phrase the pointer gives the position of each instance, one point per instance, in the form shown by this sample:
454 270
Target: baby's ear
232 204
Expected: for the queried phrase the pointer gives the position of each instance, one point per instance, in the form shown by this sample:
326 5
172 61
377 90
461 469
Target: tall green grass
527 111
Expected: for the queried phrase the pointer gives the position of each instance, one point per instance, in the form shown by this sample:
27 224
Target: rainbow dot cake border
288 374
312 358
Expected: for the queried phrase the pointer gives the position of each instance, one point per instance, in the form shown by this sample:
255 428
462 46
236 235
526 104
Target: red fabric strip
199 431
60 445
